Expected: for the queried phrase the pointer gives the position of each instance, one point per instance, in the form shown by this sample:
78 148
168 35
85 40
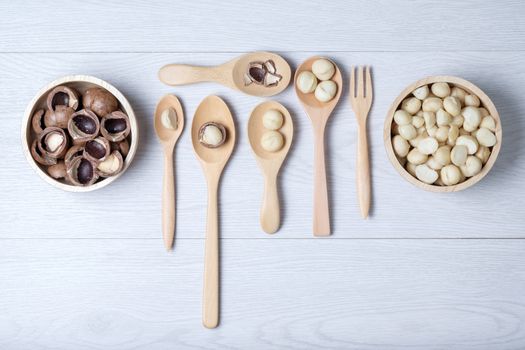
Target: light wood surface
270 162
92 273
319 112
361 96
168 139
485 102
213 161
80 83
230 74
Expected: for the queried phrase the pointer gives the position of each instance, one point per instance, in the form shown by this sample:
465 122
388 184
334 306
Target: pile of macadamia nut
80 138
318 80
442 135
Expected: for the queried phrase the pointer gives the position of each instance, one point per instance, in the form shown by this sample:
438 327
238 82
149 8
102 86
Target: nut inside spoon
270 162
319 112
169 123
256 73
213 155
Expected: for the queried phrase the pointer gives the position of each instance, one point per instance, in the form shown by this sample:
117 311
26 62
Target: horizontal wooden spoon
319 112
230 74
269 162
213 160
168 138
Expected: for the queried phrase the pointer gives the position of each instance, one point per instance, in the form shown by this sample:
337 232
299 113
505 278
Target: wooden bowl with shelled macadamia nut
442 134
79 133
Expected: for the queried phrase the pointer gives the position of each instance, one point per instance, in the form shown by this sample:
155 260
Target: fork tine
360 82
352 82
368 92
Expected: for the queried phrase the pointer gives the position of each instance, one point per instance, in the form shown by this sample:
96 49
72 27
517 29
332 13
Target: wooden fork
361 100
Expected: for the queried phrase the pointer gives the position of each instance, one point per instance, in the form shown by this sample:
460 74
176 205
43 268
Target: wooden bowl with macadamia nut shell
442 134
79 133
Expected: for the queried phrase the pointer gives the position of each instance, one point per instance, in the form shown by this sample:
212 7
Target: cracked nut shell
39 157
208 139
97 149
62 96
37 121
122 147
58 117
115 126
53 142
111 166
83 126
57 171
100 101
81 172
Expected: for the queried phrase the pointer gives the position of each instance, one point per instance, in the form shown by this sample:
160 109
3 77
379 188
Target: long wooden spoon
213 160
168 126
231 74
269 162
319 112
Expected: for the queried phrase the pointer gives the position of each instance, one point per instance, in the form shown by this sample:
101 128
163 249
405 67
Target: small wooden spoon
230 74
269 162
168 138
319 112
213 160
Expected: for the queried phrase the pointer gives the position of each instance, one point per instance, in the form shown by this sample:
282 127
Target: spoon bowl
309 99
168 138
269 162
164 134
230 74
213 109
319 112
256 130
213 160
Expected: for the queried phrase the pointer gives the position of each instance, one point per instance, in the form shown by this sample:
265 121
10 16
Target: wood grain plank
301 294
238 26
493 208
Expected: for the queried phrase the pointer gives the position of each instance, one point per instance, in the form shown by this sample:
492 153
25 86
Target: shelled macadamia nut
450 175
485 137
416 157
325 91
408 132
402 117
432 104
323 69
425 174
440 89
411 105
472 166
421 92
272 141
401 146
306 82
272 119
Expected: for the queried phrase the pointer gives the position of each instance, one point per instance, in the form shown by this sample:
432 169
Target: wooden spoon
269 162
319 112
230 74
168 138
213 160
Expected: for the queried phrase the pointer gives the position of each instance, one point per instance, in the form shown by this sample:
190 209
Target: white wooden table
426 271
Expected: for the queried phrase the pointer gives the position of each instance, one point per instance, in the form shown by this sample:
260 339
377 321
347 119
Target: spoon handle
168 201
210 315
181 74
363 171
321 225
270 210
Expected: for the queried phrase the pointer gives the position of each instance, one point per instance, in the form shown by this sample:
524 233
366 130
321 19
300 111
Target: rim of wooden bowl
26 131
485 102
